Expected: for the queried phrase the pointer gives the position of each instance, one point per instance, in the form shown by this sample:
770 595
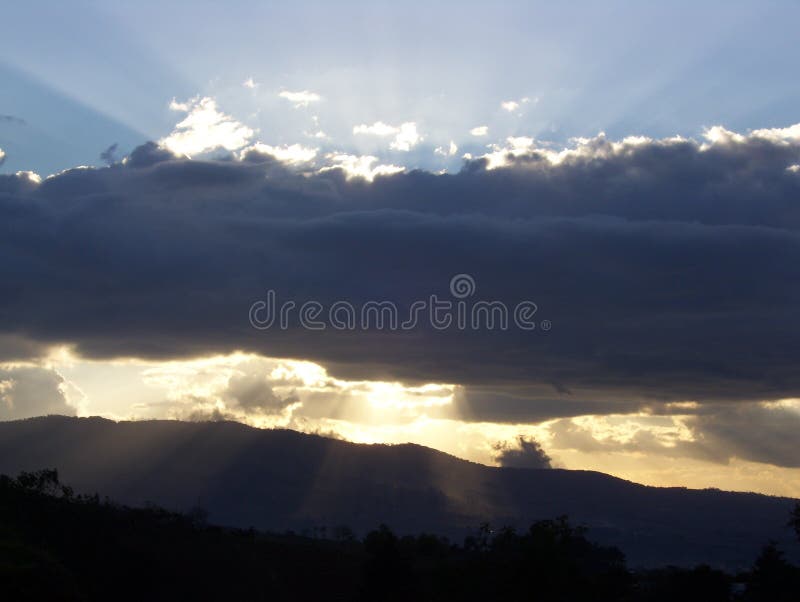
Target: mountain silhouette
280 480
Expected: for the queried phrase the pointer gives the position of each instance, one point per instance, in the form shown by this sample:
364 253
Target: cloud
527 453
20 182
205 128
512 105
481 130
146 155
405 135
238 387
764 432
355 166
27 391
289 154
451 150
787 135
108 156
636 433
516 146
253 392
279 392
668 268
503 403
376 129
2 156
250 83
208 415
17 348
300 99
12 119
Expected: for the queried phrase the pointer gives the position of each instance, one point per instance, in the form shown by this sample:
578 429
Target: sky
620 178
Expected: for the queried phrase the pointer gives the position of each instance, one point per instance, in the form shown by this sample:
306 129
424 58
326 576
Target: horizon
335 437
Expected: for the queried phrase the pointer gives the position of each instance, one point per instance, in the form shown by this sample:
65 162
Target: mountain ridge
282 479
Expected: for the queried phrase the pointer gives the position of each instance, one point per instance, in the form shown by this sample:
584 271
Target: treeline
55 545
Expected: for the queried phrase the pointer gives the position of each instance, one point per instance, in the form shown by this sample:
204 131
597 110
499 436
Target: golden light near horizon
302 395
198 381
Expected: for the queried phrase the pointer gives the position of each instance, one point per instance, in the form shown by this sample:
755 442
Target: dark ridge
281 479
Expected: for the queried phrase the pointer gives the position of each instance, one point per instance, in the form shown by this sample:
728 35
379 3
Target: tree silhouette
772 579
794 520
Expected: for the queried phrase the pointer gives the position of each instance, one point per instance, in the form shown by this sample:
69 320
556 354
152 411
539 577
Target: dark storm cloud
14 348
669 271
501 403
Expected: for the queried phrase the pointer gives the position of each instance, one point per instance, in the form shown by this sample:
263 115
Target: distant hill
279 480
55 545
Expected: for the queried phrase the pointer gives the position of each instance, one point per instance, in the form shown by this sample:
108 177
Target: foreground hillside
55 545
279 480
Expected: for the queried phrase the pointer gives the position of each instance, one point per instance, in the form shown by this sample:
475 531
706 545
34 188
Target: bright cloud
516 146
205 128
300 99
377 129
481 130
405 135
31 177
27 389
360 166
250 83
595 147
406 138
294 153
720 135
278 392
512 105
449 151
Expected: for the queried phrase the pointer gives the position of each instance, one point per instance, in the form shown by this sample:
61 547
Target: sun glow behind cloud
205 128
302 395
